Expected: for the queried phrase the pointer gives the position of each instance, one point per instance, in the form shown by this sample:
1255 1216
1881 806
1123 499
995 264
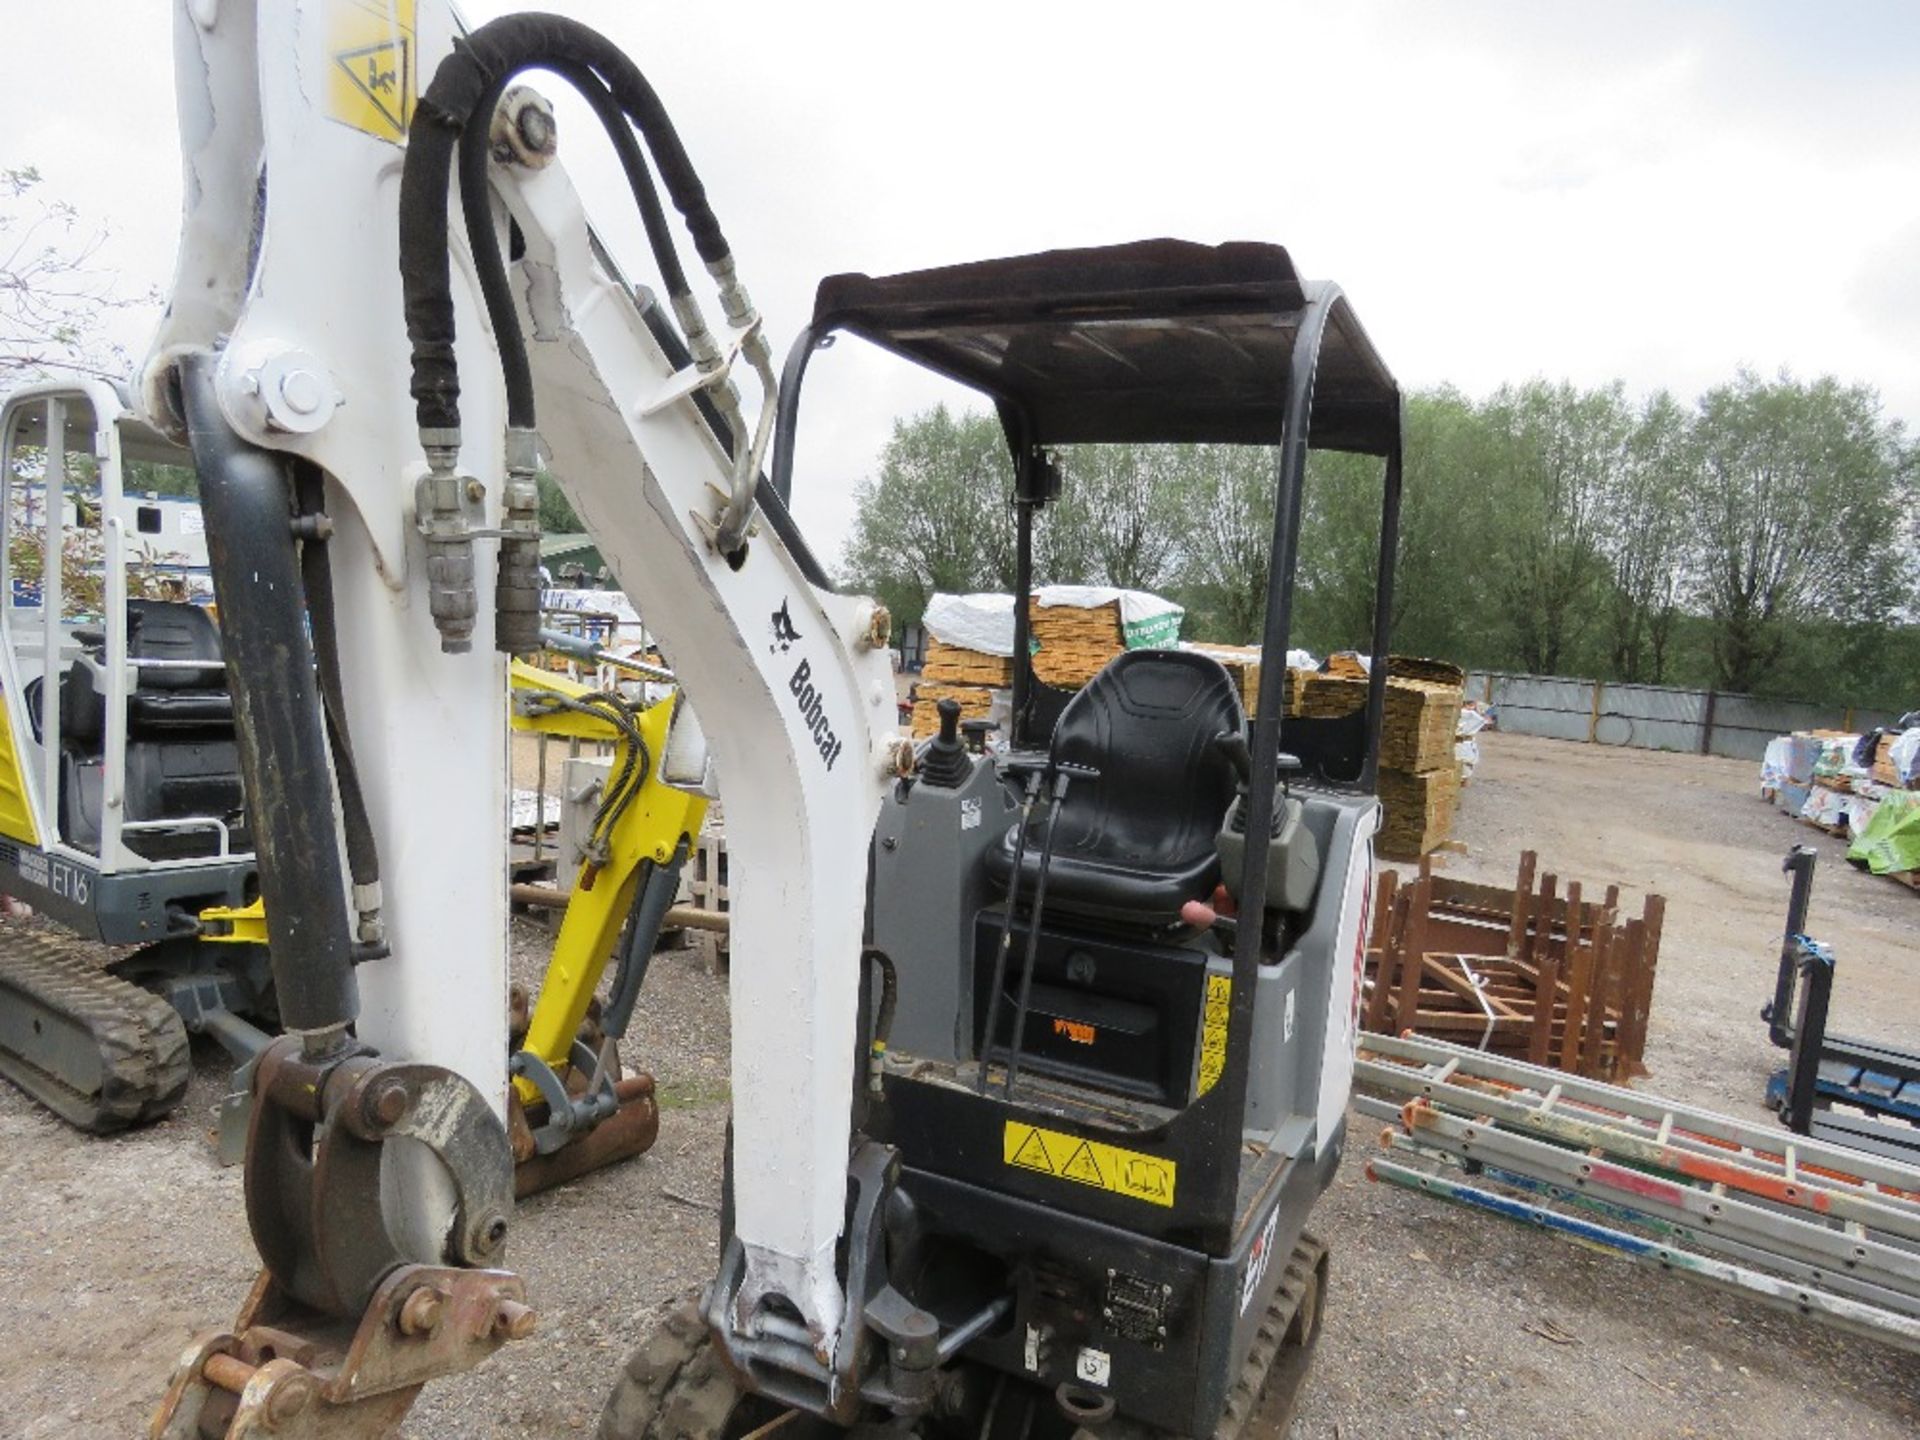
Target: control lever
944 763
976 733
1064 773
1035 767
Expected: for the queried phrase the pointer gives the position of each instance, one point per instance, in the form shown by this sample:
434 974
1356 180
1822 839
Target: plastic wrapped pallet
1896 761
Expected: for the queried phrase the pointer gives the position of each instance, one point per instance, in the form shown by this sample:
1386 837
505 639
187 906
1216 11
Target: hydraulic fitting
516 595
444 501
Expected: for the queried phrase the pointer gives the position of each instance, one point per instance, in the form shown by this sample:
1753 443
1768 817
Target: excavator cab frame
107 884
1113 1237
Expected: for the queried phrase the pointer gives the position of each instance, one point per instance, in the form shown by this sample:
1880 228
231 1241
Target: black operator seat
1139 842
165 699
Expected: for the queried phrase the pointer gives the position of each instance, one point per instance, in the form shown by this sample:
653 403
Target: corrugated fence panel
1557 708
1651 717
1654 717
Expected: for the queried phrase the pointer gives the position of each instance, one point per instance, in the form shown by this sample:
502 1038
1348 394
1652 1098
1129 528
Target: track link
1270 1378
672 1388
98 1051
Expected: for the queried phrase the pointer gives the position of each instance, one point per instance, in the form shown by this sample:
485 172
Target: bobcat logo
783 632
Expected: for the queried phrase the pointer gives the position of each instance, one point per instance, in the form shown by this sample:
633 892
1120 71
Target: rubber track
141 1042
673 1387
1269 1343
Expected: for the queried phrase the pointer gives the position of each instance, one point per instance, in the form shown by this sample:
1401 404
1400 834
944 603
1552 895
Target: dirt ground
112 1253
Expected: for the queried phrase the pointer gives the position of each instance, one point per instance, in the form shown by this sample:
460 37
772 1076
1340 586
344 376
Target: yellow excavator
123 819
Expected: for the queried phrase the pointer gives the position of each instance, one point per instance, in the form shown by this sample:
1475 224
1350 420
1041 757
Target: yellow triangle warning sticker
1082 1166
371 80
1089 1162
1031 1153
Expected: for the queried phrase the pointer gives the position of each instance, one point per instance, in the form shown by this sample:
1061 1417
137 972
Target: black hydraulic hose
281 738
316 575
1034 917
1005 942
653 217
496 51
883 1015
484 241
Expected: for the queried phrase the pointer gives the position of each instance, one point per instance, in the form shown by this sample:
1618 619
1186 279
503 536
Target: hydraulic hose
488 57
280 734
316 575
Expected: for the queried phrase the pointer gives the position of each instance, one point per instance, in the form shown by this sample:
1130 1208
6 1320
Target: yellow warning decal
1213 1031
1088 1162
371 59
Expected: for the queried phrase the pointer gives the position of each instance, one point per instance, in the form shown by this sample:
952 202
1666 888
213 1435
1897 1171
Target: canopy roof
1160 341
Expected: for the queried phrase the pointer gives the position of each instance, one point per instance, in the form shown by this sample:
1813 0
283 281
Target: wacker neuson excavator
123 818
1039 1060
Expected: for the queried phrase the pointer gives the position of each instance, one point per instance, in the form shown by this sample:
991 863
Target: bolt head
421 1312
303 391
389 1101
290 1397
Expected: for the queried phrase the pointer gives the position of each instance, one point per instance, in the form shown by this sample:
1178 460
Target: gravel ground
112 1253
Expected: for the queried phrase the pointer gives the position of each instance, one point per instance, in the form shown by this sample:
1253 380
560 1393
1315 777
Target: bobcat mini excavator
937 1214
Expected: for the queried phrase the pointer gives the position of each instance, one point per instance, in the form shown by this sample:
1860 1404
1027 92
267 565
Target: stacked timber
957 665
976 703
1559 981
1419 771
1073 643
1421 715
1419 807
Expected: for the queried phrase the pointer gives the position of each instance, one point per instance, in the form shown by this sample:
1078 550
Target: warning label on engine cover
1088 1162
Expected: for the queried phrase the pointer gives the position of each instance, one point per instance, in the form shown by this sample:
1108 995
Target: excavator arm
370 687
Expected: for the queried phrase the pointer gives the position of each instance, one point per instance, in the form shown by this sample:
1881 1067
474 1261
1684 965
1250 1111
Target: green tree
1554 451
1232 538
1648 538
937 517
1122 517
1802 502
53 293
556 511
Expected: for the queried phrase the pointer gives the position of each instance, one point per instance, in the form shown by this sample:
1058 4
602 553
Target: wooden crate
957 665
1419 810
976 703
1556 981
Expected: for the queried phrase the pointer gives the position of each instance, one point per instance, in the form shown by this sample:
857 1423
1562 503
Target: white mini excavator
1028 1118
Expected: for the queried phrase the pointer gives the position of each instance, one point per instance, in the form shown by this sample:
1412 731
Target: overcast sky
1658 192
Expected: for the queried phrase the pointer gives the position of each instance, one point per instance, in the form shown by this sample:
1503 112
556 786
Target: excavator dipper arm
283 358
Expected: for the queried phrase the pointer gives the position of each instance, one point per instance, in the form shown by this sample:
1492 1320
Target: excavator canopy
1159 341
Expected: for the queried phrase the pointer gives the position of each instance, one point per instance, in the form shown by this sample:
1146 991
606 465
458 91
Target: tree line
1762 539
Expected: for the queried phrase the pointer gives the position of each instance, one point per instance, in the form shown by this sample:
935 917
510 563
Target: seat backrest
175 630
1147 722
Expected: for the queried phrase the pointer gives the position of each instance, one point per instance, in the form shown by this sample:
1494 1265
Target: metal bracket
284 1372
683 384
